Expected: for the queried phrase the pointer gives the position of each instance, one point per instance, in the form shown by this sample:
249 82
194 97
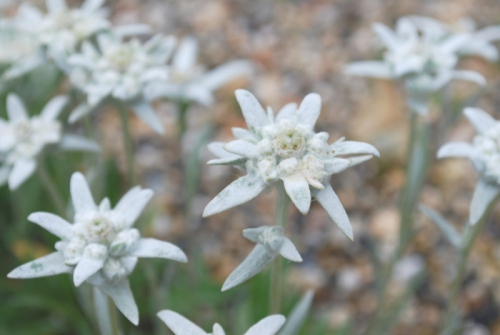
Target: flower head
179 325
101 247
121 70
423 53
189 81
286 149
484 153
22 138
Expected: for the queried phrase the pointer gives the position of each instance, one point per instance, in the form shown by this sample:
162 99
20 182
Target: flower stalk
127 143
51 188
106 315
282 207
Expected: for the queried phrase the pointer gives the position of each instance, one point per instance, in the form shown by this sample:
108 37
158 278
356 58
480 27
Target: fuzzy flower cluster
424 53
484 153
22 138
286 149
101 247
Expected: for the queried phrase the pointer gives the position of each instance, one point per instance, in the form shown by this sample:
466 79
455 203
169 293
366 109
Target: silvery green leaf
50 265
23 168
124 300
298 315
331 203
223 74
309 110
242 148
179 325
254 114
153 248
267 326
353 148
80 194
133 203
481 120
79 112
146 113
374 69
15 108
238 192
289 251
287 111
443 225
255 262
253 234
484 196
54 107
53 224
458 149
298 190
78 143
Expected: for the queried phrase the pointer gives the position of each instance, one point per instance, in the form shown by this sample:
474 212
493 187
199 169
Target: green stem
51 188
107 318
182 107
128 143
282 207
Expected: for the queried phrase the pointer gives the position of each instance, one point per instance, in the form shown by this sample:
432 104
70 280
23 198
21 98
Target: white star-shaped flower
423 53
22 139
101 247
189 81
271 242
121 70
286 149
484 153
179 325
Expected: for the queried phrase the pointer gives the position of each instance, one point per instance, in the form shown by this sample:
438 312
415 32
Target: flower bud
124 242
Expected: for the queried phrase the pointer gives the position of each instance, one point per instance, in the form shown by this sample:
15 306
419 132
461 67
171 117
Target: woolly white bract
286 149
424 53
121 70
100 248
484 153
179 325
271 241
58 33
22 139
189 81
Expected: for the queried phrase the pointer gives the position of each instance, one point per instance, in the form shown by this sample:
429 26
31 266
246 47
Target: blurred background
298 47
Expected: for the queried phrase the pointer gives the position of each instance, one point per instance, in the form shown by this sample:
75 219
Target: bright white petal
254 114
238 192
80 194
22 170
336 165
54 107
179 325
255 262
454 43
287 111
481 120
242 148
489 33
289 251
15 108
473 76
79 112
147 114
372 69
185 57
386 36
309 110
78 143
298 190
353 148
133 203
225 73
458 149
124 300
86 267
50 265
331 203
153 248
267 326
484 196
22 67
53 224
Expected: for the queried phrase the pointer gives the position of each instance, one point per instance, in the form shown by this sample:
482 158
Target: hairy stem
128 144
106 315
282 207
51 188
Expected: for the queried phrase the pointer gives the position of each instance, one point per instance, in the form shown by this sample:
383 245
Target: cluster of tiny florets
488 144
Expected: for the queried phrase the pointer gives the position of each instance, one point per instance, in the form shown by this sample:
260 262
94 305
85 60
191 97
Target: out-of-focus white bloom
484 153
423 53
480 42
100 247
271 241
189 81
22 139
179 325
14 45
121 70
286 149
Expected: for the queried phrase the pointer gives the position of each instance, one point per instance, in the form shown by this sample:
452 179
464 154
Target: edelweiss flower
271 241
14 45
57 33
179 325
286 149
121 70
423 53
484 153
189 81
101 247
22 139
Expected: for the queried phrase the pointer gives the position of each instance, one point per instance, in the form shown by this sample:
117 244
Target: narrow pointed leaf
458 149
53 224
78 143
153 248
254 114
289 251
444 225
80 194
22 170
54 107
309 110
298 315
124 300
50 265
179 325
484 196
268 326
353 148
299 192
